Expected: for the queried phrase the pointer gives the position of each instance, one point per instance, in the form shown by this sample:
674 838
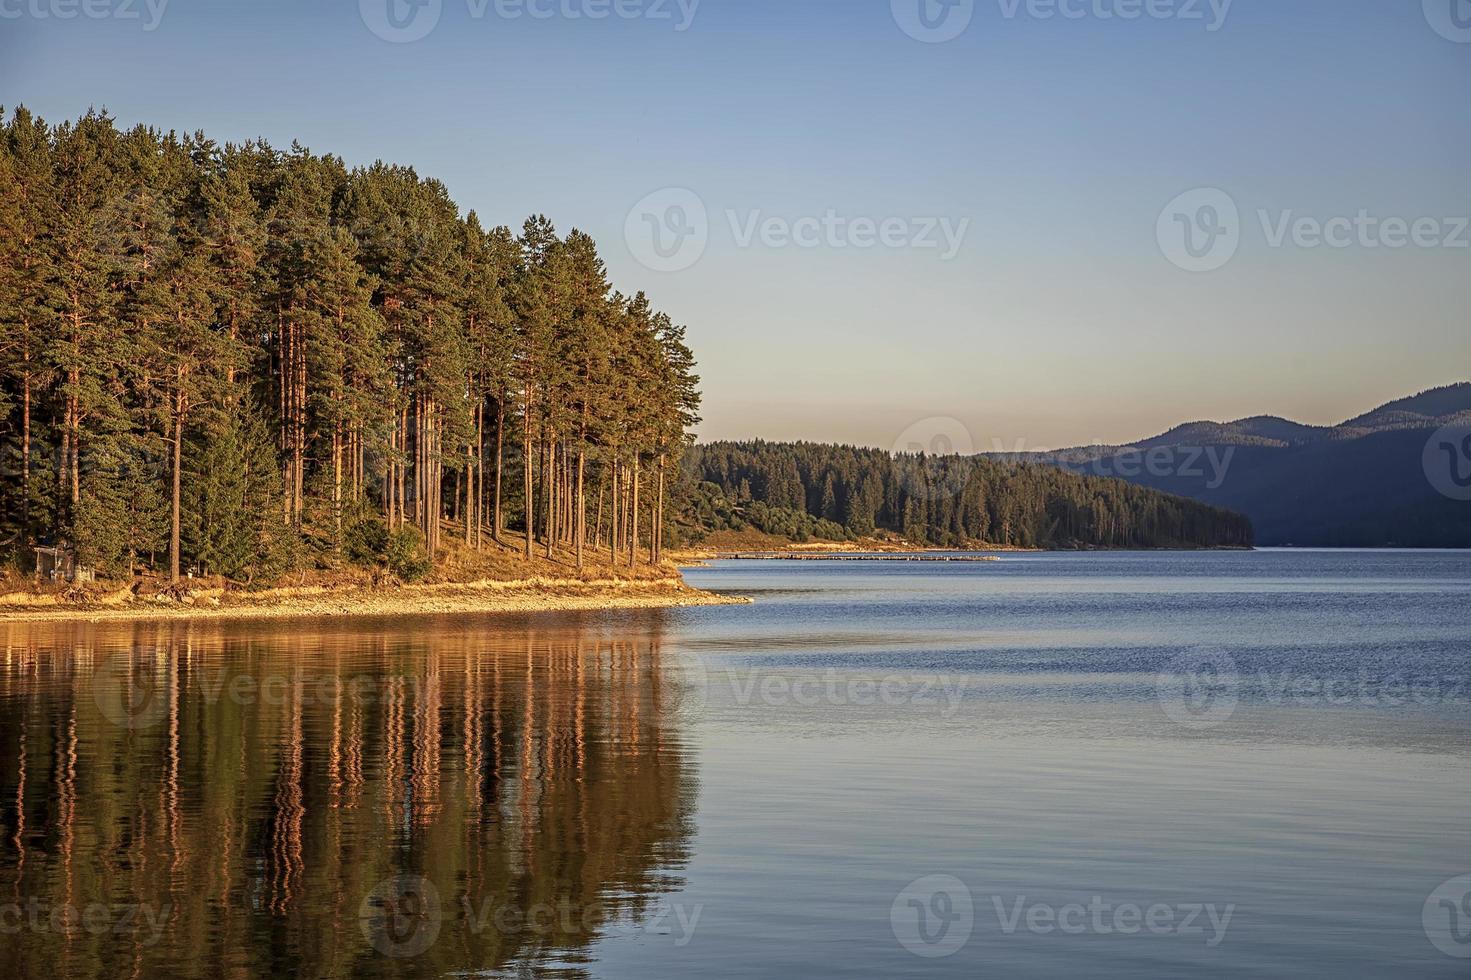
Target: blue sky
1055 142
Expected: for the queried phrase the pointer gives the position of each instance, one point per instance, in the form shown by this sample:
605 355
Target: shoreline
695 555
835 551
479 597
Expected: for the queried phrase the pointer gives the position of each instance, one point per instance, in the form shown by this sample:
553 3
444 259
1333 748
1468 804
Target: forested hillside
806 490
246 361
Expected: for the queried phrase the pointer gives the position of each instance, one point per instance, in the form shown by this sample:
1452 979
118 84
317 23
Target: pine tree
586 350
345 362
487 268
89 349
13 492
534 301
28 301
190 355
233 523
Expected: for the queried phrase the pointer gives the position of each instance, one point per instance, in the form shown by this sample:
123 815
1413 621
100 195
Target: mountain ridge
1450 403
1360 483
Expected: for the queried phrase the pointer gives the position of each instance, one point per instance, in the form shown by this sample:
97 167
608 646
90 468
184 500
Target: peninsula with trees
229 367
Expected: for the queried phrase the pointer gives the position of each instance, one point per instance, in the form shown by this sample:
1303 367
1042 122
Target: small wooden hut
58 563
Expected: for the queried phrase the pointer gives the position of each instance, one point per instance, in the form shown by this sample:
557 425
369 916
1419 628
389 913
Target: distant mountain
1358 484
1434 406
1263 430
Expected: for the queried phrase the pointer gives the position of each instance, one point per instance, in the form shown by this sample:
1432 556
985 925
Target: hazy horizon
990 437
1031 163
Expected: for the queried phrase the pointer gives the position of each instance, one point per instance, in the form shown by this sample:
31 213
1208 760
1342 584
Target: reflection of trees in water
243 794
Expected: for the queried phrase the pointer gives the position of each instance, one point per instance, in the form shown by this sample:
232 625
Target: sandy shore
516 596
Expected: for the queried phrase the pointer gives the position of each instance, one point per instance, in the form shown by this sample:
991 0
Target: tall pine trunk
469 504
548 487
25 448
298 449
530 500
657 547
337 484
597 537
614 516
581 508
500 427
480 468
400 482
633 516
283 411
177 482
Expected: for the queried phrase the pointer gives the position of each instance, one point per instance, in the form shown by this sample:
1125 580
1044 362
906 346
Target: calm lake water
1119 765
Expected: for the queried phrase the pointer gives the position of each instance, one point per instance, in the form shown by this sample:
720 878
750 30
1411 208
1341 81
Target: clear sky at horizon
1055 142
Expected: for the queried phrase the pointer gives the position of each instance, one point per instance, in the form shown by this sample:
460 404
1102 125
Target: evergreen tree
233 520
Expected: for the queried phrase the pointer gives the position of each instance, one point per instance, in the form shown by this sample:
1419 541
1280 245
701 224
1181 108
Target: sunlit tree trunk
174 514
337 484
657 547
581 508
500 427
614 517
530 500
597 540
548 487
633 515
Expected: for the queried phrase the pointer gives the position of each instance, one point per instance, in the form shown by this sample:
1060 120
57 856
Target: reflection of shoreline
528 595
264 792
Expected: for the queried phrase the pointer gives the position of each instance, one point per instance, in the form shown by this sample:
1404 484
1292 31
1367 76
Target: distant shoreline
514 596
818 551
